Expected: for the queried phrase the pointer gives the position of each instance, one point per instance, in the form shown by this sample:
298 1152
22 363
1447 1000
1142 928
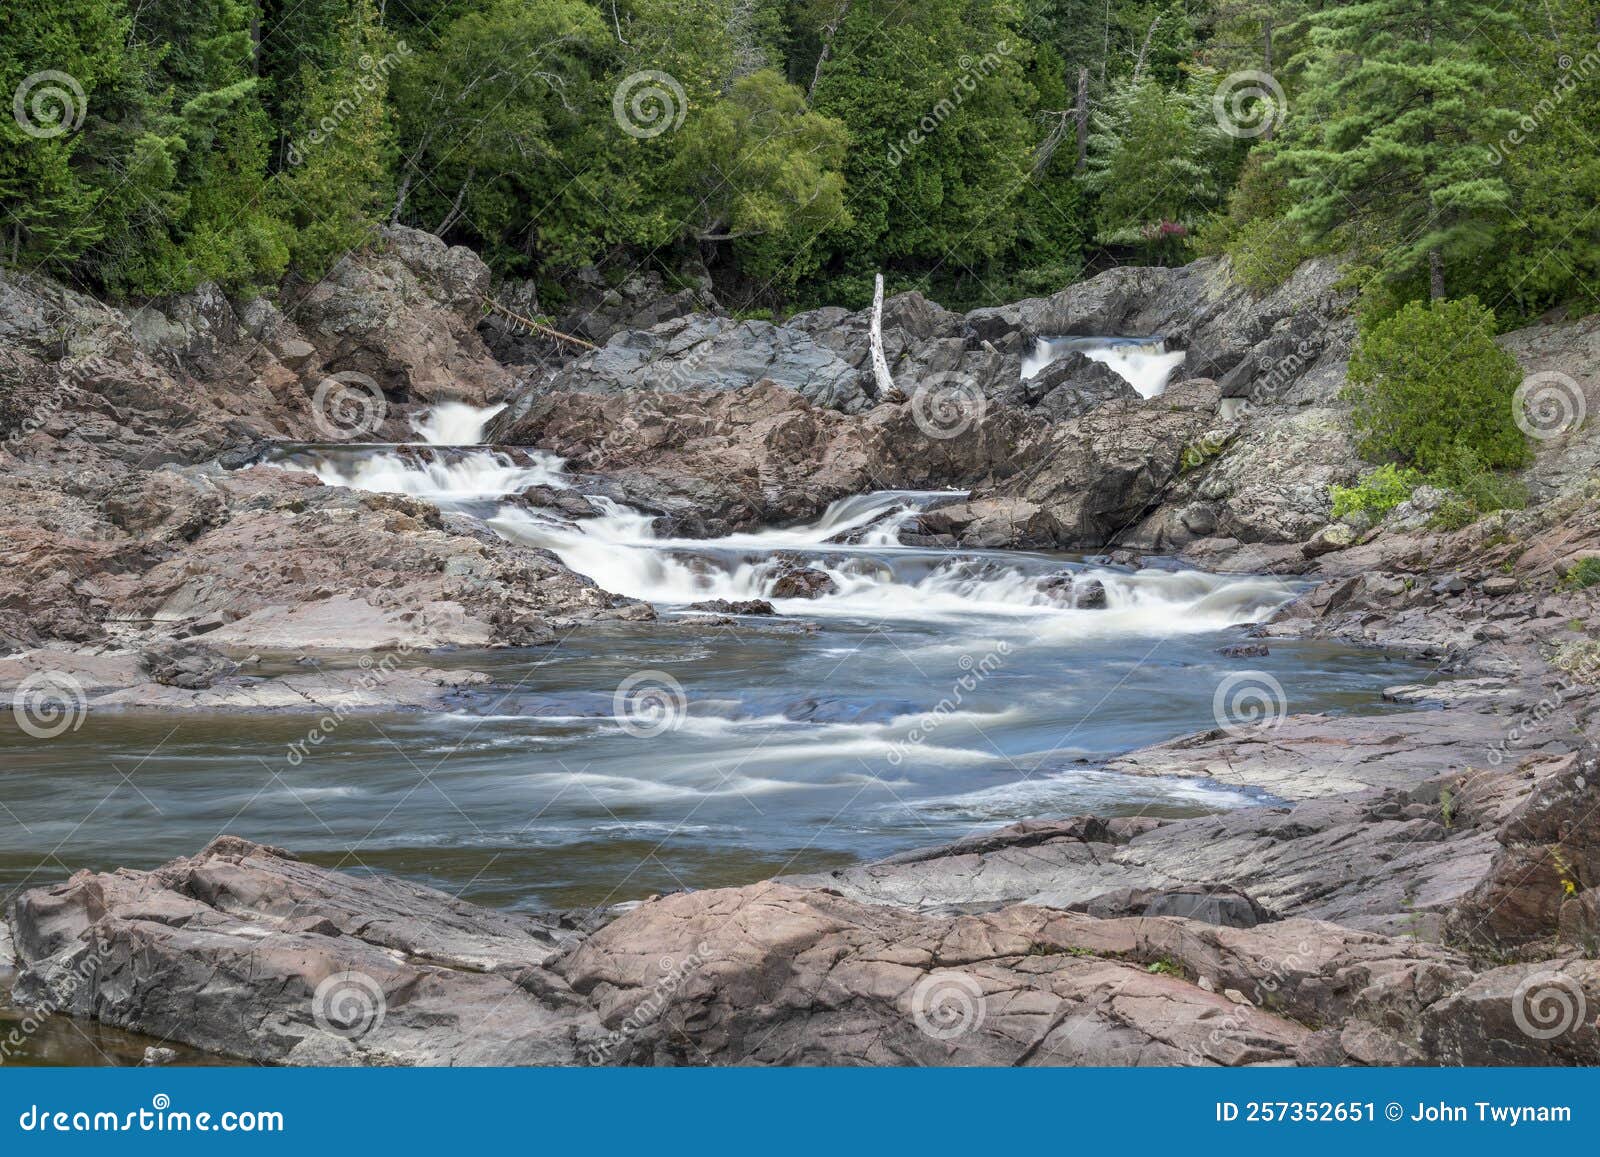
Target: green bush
1474 488
1430 379
1377 493
1583 575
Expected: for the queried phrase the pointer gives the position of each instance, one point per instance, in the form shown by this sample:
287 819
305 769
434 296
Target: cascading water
454 423
924 695
452 475
855 543
1144 362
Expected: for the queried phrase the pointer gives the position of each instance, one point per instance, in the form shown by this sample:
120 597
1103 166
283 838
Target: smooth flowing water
928 695
1145 362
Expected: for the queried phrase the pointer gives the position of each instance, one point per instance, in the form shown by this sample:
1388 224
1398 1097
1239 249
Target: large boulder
404 312
1103 470
246 951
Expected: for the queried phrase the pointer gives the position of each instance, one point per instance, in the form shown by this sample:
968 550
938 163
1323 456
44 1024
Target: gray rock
244 950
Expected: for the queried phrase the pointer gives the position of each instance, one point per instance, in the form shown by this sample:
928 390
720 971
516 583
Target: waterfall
1144 363
855 543
454 423
440 474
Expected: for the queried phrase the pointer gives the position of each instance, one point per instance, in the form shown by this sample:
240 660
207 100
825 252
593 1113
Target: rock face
734 459
246 951
1102 471
709 352
405 313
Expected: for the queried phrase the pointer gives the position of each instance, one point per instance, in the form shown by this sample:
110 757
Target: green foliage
1473 490
1153 159
1263 246
812 143
939 114
1584 574
1378 492
1429 382
336 181
1398 109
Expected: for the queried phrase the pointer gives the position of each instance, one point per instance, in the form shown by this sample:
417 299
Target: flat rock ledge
1437 925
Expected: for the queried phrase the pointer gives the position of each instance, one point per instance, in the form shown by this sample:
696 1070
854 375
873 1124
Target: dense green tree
1399 108
1429 386
335 184
940 120
1154 159
68 166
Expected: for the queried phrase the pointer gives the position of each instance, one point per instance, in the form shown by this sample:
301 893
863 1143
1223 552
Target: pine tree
336 180
1154 157
64 160
1398 111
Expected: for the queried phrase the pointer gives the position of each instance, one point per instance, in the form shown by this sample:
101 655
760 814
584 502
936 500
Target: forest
978 150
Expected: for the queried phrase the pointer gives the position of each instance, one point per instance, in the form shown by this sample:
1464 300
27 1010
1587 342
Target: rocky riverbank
1421 886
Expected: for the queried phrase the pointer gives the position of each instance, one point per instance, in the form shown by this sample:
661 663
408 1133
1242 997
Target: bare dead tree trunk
400 196
1266 66
880 364
828 31
1080 112
1435 275
454 214
1138 65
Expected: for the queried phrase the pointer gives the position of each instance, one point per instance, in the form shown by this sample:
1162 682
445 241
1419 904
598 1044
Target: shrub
1430 379
1585 574
1377 493
1475 486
